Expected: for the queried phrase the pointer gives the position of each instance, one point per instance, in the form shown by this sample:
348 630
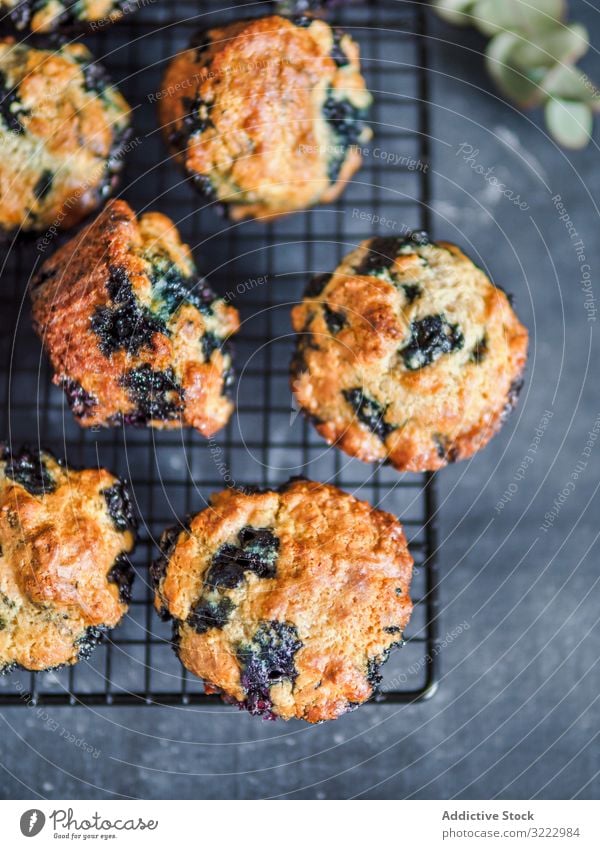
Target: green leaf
511 81
457 12
526 16
569 83
569 123
545 49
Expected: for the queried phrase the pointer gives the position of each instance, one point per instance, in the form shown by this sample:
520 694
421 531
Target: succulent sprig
531 56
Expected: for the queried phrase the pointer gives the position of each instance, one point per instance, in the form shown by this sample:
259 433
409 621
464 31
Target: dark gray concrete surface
517 711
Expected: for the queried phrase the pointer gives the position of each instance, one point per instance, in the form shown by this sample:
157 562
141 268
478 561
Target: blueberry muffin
266 115
286 602
63 128
64 574
407 353
45 16
134 335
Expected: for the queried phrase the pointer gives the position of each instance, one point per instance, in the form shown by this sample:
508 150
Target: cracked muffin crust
287 601
46 16
64 574
134 335
265 115
407 353
62 132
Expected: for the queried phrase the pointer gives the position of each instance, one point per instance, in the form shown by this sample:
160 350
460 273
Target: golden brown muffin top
60 124
45 16
407 353
287 601
264 112
133 333
63 537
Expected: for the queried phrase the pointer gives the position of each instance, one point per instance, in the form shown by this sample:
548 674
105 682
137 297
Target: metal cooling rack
266 266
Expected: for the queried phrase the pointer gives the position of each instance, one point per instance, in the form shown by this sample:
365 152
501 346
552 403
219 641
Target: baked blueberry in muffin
407 353
62 132
266 116
134 335
286 601
64 574
46 16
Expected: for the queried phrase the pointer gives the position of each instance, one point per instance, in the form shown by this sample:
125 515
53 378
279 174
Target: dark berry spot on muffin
393 629
381 255
374 677
210 342
43 185
122 574
227 567
430 337
156 394
440 445
210 614
120 507
92 637
444 447
158 567
29 470
228 382
21 14
257 552
334 319
200 43
316 285
10 107
383 250
262 547
168 541
267 660
305 343
346 119
337 53
348 123
513 396
509 296
173 289
204 185
411 291
80 401
119 284
114 163
195 121
302 21
369 412
128 326
479 352
398 590
420 237
95 78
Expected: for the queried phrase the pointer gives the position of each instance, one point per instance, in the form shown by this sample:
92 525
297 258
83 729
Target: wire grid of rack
265 267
